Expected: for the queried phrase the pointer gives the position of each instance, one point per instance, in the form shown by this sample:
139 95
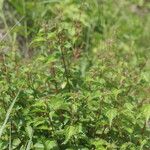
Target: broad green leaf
16 142
100 144
51 145
63 85
39 146
29 131
69 133
111 114
38 39
146 112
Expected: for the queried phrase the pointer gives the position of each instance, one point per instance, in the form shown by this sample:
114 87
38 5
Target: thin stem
26 30
8 31
10 148
52 69
6 26
65 67
8 114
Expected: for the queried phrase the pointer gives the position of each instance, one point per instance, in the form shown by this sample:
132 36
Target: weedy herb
82 73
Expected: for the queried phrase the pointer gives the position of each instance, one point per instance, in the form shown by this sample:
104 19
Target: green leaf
111 114
51 145
146 112
100 144
29 131
63 85
39 146
16 142
69 133
38 39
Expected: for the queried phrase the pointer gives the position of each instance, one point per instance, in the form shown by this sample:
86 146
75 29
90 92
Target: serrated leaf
69 133
111 114
29 131
146 111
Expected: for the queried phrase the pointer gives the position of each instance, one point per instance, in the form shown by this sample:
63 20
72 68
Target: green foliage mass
75 75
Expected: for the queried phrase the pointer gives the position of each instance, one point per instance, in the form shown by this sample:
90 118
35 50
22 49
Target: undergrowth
74 75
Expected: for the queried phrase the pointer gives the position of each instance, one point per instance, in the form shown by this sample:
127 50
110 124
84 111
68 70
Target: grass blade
8 114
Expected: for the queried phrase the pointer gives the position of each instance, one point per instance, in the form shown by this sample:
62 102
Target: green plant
81 71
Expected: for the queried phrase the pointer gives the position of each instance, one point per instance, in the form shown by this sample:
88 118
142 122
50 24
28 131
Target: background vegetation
75 75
